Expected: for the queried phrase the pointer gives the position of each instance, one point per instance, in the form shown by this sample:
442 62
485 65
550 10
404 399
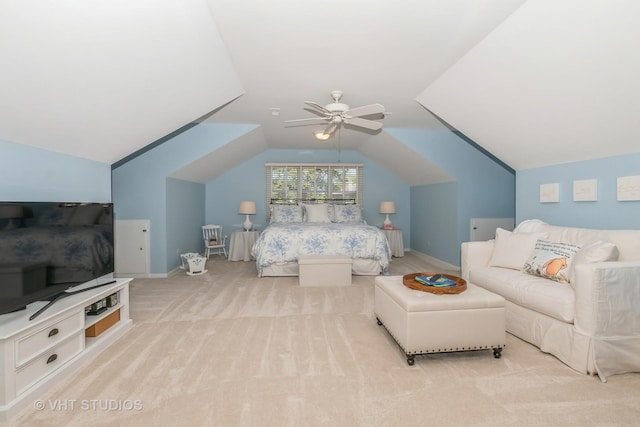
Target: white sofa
592 323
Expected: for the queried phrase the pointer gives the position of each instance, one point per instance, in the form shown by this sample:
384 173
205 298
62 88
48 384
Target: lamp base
387 225
247 225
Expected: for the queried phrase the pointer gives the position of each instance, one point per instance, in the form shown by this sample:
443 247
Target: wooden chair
214 242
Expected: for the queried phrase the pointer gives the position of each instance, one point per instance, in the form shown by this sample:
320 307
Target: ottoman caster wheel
497 352
410 361
379 322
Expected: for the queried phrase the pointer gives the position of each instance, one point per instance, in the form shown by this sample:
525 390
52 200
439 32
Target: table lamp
247 208
387 208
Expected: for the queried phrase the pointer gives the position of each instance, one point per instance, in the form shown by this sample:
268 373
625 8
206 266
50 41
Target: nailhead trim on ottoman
422 322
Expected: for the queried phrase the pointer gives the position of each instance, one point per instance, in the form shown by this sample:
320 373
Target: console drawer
48 362
57 331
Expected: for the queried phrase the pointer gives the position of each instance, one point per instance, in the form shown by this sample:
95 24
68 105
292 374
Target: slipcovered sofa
573 292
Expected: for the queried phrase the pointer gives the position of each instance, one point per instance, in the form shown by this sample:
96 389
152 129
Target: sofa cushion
511 250
554 299
551 260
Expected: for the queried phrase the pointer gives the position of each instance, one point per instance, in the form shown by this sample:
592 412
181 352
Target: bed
319 229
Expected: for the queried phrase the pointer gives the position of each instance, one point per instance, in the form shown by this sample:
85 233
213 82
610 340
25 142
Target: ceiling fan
337 113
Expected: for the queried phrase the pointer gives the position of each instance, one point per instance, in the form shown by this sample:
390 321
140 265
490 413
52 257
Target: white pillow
529 226
317 212
511 250
597 251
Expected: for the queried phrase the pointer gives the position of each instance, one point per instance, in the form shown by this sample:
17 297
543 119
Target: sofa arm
473 255
608 299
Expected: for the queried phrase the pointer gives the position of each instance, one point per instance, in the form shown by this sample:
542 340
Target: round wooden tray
409 282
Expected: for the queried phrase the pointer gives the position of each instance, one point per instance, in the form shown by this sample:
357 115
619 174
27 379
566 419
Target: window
294 182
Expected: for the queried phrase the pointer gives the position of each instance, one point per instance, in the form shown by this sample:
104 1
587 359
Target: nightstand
394 237
241 244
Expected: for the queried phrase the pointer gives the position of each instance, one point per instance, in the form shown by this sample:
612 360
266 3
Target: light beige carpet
229 349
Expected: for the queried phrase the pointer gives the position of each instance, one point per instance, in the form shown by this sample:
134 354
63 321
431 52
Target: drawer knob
53 332
52 358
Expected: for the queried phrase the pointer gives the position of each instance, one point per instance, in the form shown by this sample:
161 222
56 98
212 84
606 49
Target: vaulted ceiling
533 82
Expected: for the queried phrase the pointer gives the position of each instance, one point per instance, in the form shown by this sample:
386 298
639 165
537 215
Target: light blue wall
185 214
485 189
247 182
606 212
32 174
141 190
140 185
433 223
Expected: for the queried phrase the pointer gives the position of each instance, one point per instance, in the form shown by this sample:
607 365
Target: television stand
36 354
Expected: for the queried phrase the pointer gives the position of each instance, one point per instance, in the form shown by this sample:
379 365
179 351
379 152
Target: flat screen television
48 247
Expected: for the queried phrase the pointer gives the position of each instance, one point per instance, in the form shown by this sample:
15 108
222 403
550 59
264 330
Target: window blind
293 182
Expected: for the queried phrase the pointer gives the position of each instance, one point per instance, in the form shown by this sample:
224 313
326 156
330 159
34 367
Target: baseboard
174 272
435 261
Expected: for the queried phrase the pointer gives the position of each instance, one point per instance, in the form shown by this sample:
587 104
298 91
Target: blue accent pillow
286 213
347 213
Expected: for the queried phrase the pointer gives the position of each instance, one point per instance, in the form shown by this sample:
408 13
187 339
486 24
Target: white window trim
301 166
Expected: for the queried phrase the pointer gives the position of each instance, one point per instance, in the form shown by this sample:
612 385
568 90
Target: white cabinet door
132 248
485 228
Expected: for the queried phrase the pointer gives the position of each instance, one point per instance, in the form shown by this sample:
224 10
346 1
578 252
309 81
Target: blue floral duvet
281 243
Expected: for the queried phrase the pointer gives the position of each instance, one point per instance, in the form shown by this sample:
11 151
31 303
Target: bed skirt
359 267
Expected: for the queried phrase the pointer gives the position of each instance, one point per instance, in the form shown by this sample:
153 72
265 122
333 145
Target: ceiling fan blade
330 129
367 110
363 123
306 122
317 107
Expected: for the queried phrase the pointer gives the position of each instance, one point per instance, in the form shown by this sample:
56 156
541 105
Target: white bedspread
282 243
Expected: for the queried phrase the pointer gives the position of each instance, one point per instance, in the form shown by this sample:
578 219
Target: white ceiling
557 82
100 80
534 82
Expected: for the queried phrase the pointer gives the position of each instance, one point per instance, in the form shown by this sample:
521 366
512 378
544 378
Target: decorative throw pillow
347 213
317 212
511 250
551 260
597 251
286 213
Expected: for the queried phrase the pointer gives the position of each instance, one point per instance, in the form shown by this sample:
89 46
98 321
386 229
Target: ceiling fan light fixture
321 136
337 107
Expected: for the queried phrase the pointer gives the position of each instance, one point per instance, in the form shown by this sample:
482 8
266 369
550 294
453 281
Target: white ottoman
324 270
422 322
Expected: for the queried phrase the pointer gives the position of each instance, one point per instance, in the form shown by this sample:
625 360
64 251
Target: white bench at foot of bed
324 270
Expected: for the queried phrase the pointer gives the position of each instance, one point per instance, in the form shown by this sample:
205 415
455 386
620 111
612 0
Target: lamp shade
247 208
387 207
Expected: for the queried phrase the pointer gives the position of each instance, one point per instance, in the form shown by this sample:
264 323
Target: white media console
36 354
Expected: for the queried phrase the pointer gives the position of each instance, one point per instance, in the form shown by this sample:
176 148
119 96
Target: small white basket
193 263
